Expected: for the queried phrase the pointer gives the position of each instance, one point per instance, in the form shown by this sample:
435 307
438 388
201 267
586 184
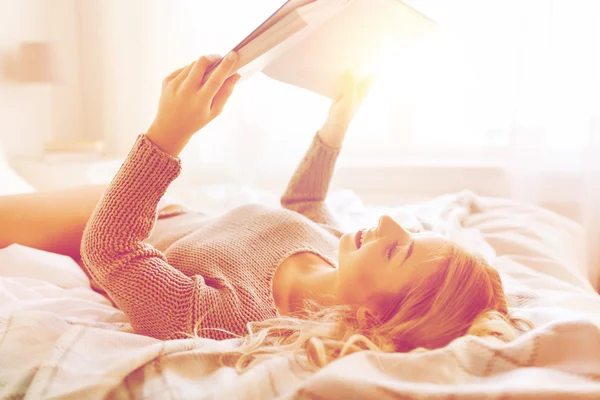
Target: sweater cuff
321 163
323 150
149 169
322 143
156 152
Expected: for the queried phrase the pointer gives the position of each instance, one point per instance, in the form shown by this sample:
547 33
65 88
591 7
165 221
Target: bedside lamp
36 63
60 163
32 62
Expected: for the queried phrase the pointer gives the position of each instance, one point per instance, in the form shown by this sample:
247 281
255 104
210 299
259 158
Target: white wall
32 113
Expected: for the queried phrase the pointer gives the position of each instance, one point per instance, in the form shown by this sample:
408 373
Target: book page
283 12
285 34
286 9
322 10
356 38
264 49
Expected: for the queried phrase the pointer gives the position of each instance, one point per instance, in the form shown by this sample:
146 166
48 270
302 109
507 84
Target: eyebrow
411 247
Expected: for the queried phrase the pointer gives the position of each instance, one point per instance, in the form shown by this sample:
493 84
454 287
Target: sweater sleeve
159 300
307 190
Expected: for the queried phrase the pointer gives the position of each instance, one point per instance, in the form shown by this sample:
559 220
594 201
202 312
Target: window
497 78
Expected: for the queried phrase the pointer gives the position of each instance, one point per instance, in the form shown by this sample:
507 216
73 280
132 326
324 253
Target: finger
364 88
194 78
183 74
220 75
172 75
352 89
347 87
220 99
350 82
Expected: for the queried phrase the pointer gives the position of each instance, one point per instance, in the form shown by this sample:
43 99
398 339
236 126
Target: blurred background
504 100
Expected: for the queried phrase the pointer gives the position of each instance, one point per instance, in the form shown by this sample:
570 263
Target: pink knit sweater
215 271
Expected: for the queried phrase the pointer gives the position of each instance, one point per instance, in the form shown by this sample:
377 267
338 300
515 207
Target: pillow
10 181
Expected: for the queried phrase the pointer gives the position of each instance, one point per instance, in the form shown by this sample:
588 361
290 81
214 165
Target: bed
60 339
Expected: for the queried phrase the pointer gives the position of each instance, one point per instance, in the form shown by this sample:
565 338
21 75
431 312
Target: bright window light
495 72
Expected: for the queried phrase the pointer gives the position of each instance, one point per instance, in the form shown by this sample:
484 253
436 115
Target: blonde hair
464 295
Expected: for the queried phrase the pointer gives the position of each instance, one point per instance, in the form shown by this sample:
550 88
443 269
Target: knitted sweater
215 273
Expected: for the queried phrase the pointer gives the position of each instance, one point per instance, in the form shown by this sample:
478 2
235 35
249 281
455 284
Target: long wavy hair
463 296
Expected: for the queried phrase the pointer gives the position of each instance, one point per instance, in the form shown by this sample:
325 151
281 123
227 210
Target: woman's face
383 260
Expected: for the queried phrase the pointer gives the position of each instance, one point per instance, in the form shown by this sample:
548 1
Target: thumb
345 86
364 87
351 86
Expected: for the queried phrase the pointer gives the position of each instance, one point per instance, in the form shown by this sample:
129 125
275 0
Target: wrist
333 134
168 142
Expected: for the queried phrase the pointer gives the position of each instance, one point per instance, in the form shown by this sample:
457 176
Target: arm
159 300
156 297
309 185
51 221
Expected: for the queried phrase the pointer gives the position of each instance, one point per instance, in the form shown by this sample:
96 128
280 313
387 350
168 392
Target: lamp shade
36 62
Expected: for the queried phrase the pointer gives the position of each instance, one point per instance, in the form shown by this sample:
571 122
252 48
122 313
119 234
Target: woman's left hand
344 109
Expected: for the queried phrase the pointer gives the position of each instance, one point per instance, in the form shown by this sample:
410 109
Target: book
311 43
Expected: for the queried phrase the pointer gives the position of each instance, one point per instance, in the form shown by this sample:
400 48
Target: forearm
52 220
310 182
127 212
333 133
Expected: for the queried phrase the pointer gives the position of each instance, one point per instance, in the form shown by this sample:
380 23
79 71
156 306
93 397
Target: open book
311 43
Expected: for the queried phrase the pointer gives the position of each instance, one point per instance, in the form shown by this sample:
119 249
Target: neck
309 278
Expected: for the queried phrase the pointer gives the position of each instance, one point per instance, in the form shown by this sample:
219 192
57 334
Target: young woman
287 275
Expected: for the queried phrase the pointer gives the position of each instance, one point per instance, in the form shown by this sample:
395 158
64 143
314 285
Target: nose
389 228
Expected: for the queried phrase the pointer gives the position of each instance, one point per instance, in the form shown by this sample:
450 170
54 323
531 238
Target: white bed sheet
59 339
10 181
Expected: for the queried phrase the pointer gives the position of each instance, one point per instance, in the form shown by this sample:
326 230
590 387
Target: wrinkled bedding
60 339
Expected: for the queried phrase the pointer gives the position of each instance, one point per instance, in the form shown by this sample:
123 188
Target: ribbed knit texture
217 271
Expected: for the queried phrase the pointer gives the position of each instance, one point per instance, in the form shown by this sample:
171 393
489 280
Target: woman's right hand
343 109
187 103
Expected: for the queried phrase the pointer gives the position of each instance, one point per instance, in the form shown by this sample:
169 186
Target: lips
357 238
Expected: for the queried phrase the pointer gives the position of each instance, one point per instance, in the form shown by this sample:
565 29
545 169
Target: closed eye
391 250
411 247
